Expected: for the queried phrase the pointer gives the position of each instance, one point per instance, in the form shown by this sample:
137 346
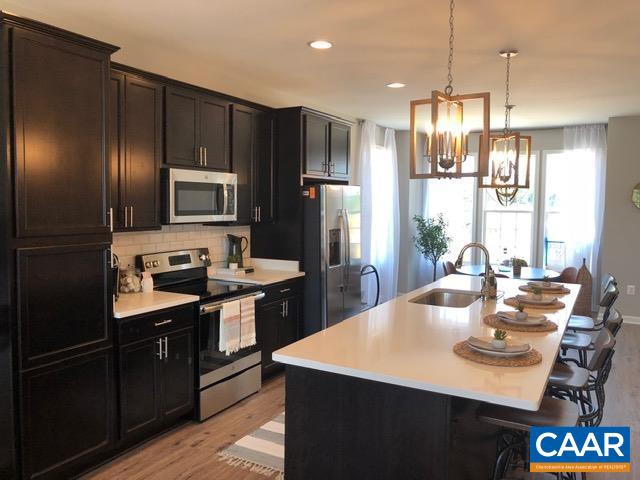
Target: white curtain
585 148
378 175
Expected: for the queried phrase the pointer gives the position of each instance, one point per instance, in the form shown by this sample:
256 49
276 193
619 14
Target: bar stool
553 412
577 384
609 296
583 342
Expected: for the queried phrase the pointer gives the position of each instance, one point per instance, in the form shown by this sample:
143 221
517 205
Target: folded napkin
510 315
247 322
487 345
229 341
551 286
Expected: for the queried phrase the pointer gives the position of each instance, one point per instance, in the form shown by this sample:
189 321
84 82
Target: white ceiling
579 61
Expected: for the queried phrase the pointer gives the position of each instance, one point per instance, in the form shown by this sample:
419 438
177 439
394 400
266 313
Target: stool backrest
606 279
603 350
568 275
609 297
614 322
449 268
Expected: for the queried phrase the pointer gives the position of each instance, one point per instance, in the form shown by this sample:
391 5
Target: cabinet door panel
68 415
64 301
264 174
269 317
316 132
214 132
60 109
182 127
116 147
242 149
143 144
178 373
340 148
139 386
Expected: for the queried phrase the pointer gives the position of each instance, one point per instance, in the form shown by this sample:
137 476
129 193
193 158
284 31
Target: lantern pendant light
510 154
445 136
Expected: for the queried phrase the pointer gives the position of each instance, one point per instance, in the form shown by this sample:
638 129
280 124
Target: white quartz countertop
258 277
411 345
130 304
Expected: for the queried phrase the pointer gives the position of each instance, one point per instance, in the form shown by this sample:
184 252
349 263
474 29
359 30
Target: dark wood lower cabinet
68 415
156 383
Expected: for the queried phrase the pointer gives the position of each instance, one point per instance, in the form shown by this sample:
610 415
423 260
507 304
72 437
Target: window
455 200
382 220
509 231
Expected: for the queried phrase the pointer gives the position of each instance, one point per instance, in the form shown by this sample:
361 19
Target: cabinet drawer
281 290
156 323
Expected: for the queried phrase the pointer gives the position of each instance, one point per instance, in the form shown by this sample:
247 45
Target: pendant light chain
507 105
449 88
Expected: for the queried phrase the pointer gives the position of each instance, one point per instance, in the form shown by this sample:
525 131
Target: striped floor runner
262 451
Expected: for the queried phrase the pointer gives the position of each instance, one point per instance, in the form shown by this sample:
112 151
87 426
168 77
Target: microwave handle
226 198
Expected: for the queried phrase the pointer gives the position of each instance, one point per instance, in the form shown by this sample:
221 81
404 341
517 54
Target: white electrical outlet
631 289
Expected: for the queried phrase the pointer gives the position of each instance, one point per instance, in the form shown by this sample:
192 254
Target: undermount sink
446 298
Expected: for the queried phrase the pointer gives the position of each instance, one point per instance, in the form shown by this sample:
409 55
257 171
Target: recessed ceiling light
320 44
396 85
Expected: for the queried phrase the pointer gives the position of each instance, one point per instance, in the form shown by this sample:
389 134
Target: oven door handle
218 306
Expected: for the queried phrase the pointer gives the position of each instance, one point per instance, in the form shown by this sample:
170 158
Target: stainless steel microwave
199 196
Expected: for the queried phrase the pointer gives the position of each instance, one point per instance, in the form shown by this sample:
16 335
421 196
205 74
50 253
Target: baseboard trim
632 320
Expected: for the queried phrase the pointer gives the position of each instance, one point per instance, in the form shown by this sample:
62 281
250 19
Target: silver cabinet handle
205 156
166 348
254 215
111 219
259 214
159 354
284 290
332 168
126 217
163 322
282 311
131 217
286 308
200 155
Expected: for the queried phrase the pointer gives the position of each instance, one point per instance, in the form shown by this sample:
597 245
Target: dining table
527 273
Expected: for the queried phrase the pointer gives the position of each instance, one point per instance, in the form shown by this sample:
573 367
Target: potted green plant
521 315
431 239
233 262
499 338
546 281
537 293
517 264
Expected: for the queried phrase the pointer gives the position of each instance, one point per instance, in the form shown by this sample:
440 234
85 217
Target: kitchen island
383 395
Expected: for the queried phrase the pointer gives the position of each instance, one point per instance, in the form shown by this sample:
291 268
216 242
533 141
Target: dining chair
449 268
568 275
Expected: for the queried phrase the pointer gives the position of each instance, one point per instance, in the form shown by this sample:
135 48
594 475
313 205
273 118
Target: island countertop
411 345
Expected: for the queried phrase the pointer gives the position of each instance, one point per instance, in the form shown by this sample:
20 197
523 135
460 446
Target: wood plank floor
190 451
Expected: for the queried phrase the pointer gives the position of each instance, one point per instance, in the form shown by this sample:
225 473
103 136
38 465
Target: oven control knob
156 263
204 257
147 264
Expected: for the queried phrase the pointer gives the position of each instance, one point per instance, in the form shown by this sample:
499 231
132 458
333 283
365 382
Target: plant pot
521 316
517 270
501 344
233 266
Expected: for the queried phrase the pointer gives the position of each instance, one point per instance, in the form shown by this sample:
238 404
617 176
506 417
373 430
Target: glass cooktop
210 290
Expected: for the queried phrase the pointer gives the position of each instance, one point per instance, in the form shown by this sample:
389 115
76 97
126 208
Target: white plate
531 320
546 300
497 353
551 286
555 291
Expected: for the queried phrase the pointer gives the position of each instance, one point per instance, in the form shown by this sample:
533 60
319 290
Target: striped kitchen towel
262 451
247 321
229 339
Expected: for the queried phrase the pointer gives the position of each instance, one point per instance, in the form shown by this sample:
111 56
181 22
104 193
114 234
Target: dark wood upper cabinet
136 151
316 143
339 149
68 416
197 129
60 109
252 161
64 301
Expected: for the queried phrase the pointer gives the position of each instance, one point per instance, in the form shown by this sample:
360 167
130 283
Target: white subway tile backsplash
175 237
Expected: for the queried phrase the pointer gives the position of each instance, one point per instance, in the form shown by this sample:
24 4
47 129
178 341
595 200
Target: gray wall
621 234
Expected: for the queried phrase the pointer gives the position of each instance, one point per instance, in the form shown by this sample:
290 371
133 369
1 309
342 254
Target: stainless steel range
222 379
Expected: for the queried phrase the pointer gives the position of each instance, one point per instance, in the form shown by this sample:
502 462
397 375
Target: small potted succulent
517 264
537 293
546 281
233 262
499 339
521 315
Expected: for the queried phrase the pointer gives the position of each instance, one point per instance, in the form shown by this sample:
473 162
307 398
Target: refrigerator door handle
347 248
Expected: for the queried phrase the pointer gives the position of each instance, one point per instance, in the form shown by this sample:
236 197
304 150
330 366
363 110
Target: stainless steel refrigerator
332 255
